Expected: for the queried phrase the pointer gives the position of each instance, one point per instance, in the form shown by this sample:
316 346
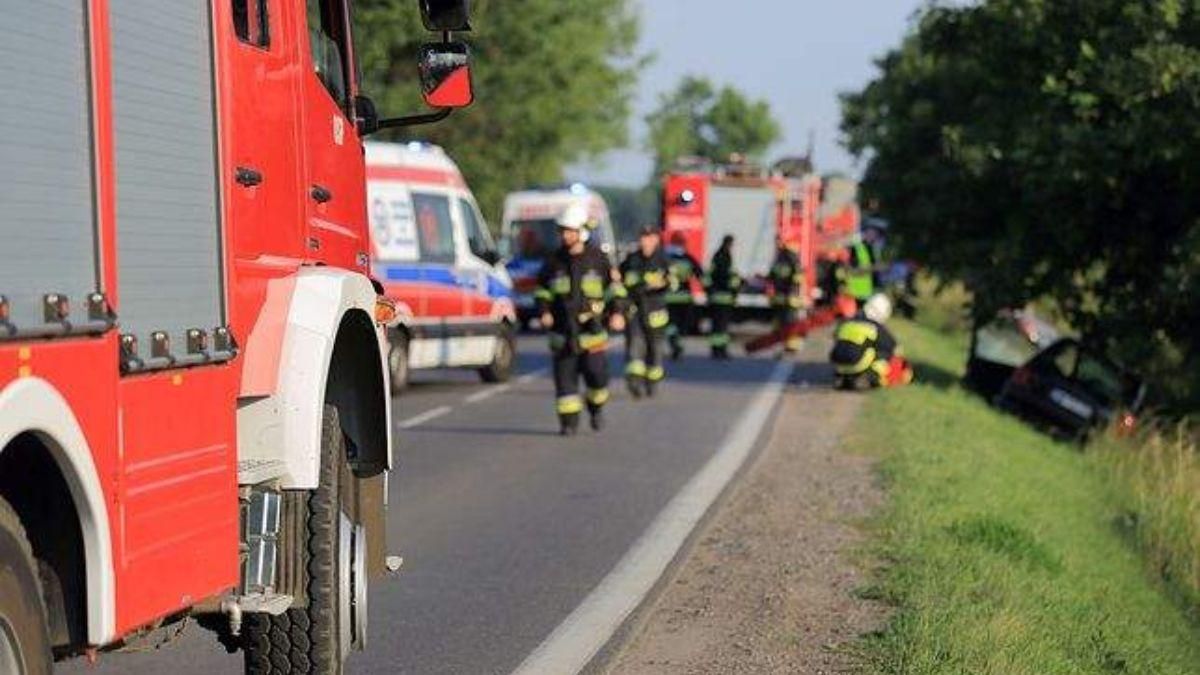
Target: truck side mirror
446 15
445 69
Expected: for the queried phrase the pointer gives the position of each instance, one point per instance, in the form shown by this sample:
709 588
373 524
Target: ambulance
529 233
434 256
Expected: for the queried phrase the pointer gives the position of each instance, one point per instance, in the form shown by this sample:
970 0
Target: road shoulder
768 585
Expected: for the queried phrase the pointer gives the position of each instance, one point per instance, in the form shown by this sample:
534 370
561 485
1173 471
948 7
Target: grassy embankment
1005 552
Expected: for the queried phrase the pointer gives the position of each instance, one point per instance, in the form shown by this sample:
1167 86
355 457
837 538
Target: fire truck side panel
750 215
286 426
50 389
48 223
179 517
169 247
687 215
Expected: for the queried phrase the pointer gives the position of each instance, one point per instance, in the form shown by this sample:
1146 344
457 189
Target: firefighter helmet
878 308
574 217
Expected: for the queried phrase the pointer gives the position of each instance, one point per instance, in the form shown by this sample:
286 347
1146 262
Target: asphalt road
504 526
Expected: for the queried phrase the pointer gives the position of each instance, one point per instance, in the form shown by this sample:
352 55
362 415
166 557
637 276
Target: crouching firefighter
680 303
578 300
646 278
864 350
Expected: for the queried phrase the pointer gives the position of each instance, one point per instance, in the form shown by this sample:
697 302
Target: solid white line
581 635
530 377
425 417
485 394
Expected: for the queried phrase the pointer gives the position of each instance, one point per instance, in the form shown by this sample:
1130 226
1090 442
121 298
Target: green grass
1002 551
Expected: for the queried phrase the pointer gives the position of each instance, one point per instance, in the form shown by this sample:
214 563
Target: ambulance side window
327 41
435 227
478 238
251 22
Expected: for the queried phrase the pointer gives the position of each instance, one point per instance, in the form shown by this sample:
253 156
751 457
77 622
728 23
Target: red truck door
333 151
262 150
176 523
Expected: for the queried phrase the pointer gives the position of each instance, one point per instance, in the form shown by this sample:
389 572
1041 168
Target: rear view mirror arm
414 120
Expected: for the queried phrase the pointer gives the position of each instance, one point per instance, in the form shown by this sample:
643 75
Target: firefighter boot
568 425
676 346
635 377
597 417
654 376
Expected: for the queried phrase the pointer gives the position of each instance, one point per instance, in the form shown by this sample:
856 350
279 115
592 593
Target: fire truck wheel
398 363
501 367
24 635
313 639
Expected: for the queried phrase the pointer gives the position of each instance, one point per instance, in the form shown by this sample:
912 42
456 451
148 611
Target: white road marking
425 417
584 633
485 394
530 377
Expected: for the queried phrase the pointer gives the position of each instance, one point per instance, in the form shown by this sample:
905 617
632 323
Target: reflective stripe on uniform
719 339
864 362
598 397
720 298
592 288
658 318
571 404
655 373
636 368
561 285
633 278
543 294
856 332
593 342
680 298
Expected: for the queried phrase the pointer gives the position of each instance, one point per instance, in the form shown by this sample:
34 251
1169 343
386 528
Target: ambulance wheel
317 638
398 362
24 634
501 367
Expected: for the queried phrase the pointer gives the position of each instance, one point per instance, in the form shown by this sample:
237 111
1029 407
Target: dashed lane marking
424 417
485 394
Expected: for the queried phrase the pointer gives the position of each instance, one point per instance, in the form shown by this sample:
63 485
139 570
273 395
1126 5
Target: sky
796 54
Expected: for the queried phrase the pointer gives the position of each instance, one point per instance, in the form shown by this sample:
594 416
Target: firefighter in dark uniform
787 283
680 303
646 278
578 300
721 284
864 349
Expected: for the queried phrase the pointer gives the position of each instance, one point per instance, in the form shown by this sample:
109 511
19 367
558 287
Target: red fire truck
194 410
705 202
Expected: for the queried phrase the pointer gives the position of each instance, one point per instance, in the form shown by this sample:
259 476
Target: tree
697 119
554 81
1037 149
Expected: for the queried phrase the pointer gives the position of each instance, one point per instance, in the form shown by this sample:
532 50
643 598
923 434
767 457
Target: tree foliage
697 119
554 81
1051 149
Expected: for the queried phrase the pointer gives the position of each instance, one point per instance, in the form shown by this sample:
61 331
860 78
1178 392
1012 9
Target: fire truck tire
308 640
24 632
501 367
398 362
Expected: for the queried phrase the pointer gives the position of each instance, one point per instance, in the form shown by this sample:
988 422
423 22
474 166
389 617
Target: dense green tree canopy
697 119
553 80
1051 149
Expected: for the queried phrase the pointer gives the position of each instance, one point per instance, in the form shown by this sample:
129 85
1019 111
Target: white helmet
574 217
878 308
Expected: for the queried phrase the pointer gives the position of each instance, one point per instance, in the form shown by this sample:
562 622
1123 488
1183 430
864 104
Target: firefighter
864 349
680 304
857 274
578 300
646 278
721 284
787 284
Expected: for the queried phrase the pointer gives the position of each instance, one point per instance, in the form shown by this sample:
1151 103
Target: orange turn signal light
385 310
